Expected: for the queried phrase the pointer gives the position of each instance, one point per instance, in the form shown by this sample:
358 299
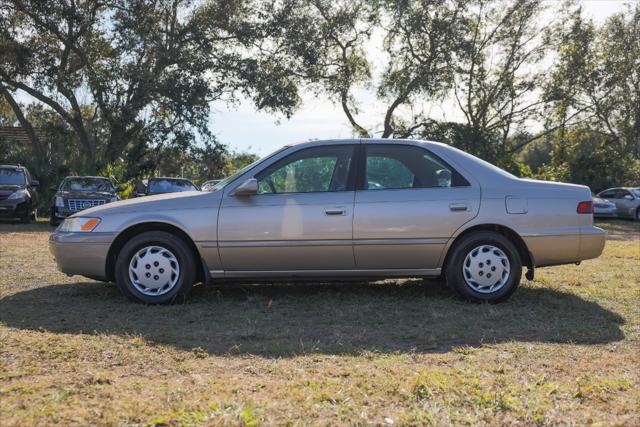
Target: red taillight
585 207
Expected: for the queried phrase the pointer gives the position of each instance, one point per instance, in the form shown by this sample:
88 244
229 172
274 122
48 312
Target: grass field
565 349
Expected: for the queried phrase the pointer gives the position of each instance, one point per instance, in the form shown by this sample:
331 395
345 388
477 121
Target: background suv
77 193
18 196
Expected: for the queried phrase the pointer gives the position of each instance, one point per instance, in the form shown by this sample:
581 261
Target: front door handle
335 211
458 207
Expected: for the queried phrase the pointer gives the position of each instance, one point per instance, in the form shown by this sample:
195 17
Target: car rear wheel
484 267
155 267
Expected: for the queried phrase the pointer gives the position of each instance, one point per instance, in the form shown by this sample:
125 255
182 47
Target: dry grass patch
564 349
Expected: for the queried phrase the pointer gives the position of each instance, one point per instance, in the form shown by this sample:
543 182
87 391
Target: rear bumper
591 242
84 254
566 248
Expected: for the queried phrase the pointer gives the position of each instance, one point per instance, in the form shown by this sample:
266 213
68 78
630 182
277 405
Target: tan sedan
341 209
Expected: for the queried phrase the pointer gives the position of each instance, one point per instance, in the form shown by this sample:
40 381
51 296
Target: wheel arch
519 243
142 227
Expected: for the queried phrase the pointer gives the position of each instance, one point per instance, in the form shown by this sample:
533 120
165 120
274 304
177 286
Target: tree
497 79
131 75
596 80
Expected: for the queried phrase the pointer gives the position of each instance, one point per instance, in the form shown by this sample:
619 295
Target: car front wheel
155 267
484 267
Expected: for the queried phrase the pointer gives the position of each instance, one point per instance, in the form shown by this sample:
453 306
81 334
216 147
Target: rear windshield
169 186
87 184
12 177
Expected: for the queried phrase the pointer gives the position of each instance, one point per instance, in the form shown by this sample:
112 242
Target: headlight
79 224
20 194
59 202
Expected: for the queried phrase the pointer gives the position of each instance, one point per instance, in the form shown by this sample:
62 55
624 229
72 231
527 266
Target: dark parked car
77 193
18 195
150 186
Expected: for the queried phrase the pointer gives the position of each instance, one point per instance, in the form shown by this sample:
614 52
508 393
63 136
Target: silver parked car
626 199
366 209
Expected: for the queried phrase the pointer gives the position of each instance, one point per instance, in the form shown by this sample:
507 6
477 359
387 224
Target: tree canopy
125 86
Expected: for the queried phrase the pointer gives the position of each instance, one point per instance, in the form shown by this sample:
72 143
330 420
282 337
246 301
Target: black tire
53 221
26 218
637 218
166 240
454 269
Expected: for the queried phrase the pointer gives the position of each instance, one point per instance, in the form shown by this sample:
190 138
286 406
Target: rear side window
609 194
404 166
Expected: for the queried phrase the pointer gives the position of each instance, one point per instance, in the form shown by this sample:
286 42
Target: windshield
87 184
232 177
169 186
12 177
209 185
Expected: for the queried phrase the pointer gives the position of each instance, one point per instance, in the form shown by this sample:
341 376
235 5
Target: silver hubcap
154 270
486 269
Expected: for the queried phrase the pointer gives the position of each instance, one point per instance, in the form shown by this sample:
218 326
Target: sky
243 128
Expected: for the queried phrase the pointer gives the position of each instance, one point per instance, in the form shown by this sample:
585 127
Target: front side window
311 170
618 194
403 166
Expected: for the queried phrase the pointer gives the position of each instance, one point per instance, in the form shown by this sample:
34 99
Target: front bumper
84 254
14 208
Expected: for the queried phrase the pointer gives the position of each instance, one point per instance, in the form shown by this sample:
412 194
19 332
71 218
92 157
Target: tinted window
621 193
169 186
403 166
12 177
87 184
310 170
609 194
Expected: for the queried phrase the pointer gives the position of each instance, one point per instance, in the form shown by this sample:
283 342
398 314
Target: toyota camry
336 210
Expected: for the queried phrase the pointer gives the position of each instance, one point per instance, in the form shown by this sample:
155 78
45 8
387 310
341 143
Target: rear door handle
335 211
458 207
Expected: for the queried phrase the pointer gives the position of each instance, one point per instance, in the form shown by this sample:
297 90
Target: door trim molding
345 242
292 274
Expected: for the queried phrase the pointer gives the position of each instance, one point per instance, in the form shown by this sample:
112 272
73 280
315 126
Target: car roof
86 177
170 178
12 167
620 188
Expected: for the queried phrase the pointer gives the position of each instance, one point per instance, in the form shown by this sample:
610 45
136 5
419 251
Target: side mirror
119 189
35 183
628 197
247 188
